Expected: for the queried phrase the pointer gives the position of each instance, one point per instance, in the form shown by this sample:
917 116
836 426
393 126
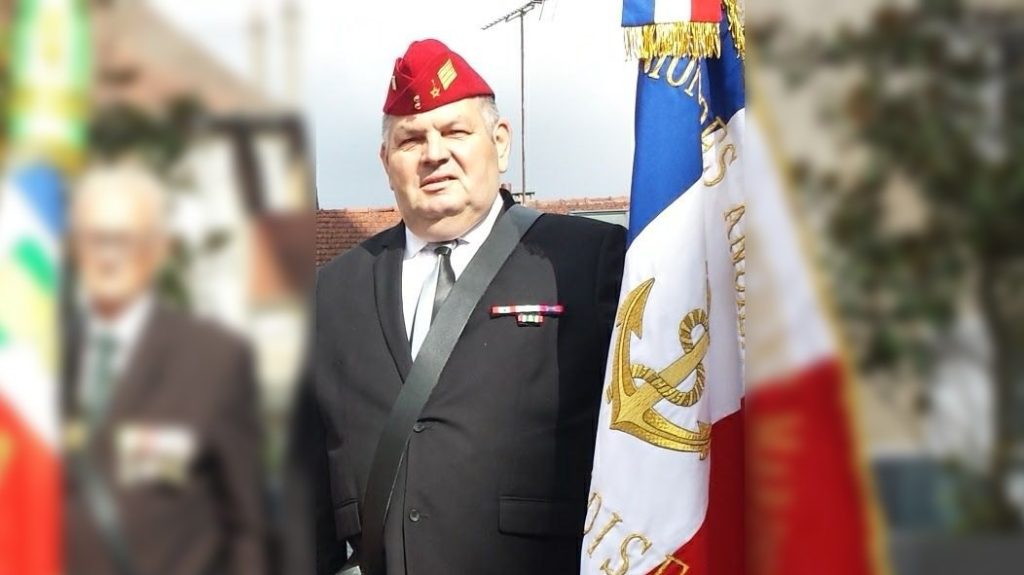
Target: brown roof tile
339 230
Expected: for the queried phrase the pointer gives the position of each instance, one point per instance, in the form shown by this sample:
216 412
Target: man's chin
110 302
443 207
448 225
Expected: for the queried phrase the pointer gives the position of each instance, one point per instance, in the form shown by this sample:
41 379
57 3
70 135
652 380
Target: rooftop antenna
520 14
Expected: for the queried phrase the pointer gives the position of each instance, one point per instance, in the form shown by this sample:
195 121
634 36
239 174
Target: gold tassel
734 11
688 39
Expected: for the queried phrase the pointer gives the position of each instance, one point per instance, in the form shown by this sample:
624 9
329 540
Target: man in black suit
496 472
163 443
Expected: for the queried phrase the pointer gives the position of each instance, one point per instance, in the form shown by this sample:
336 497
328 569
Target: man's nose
436 150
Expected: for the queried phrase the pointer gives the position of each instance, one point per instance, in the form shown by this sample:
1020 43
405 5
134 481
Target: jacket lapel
143 368
387 282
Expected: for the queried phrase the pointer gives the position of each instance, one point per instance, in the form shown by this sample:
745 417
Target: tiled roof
339 230
581 205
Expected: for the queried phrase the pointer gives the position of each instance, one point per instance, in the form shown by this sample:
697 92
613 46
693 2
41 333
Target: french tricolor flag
655 28
645 12
698 468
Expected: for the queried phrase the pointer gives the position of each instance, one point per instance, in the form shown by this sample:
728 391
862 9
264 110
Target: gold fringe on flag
734 11
688 39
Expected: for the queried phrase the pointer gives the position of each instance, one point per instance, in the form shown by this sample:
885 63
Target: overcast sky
580 88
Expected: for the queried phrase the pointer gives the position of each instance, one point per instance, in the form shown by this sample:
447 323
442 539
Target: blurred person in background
163 437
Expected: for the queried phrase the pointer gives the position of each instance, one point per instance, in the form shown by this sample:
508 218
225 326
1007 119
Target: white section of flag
19 220
659 493
28 388
27 383
793 331
667 11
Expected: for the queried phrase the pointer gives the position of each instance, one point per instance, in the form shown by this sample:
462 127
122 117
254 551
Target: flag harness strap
101 505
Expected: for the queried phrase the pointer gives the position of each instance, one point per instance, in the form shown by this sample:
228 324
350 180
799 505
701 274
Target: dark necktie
445 278
104 347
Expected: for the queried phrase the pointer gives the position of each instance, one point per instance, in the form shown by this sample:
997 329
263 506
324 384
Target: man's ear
384 156
503 142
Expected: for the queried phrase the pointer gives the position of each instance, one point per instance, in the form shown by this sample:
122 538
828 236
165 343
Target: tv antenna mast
520 14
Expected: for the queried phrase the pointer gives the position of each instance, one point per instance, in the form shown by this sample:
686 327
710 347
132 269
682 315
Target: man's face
444 166
118 246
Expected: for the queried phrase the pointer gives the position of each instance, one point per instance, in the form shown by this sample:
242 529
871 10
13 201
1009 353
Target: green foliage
936 104
159 140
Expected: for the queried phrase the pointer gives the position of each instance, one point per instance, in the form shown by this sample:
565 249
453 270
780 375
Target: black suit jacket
497 473
195 377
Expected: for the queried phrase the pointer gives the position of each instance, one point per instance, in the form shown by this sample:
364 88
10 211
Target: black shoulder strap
425 371
100 503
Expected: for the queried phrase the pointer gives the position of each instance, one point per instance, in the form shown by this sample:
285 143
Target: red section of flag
706 11
29 500
717 547
808 505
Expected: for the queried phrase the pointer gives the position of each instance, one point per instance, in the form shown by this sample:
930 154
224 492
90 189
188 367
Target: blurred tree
936 103
159 140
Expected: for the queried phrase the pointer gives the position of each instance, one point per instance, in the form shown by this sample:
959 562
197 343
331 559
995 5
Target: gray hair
488 109
124 177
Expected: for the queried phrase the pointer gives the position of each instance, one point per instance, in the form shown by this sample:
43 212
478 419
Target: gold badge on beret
447 74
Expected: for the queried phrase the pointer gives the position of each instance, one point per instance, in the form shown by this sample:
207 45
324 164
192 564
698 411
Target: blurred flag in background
810 501
46 129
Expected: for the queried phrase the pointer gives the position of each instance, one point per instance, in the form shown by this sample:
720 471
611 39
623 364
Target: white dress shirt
419 271
125 329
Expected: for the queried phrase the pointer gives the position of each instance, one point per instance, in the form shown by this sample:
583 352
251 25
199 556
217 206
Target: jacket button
414 515
418 427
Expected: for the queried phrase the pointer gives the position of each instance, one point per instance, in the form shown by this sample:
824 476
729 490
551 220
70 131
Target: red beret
429 76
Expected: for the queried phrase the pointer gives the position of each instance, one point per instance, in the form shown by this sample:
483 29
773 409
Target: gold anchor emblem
632 406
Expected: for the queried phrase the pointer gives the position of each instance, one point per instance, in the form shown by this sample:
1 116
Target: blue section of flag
668 157
725 75
637 12
43 189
